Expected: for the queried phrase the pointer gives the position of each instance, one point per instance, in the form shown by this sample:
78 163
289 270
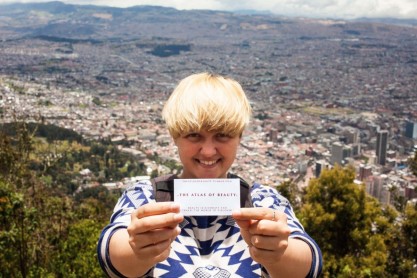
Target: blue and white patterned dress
208 246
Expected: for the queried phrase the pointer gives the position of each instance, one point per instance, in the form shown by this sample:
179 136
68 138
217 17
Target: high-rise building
411 129
352 136
340 153
378 184
347 151
320 165
381 146
337 153
302 165
365 171
356 149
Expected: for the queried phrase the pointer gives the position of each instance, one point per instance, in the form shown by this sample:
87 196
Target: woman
206 116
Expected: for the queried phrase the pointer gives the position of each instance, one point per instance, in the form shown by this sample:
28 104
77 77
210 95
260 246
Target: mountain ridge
61 7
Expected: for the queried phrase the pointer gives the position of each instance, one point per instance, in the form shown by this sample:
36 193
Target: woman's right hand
153 228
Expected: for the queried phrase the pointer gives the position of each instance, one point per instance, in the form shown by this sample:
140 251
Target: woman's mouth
207 162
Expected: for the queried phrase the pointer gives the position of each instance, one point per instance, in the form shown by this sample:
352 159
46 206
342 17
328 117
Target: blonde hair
206 101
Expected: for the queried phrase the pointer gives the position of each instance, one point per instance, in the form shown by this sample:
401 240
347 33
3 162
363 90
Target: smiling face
206 154
206 115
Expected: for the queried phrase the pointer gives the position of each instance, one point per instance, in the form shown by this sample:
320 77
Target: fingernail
175 206
178 216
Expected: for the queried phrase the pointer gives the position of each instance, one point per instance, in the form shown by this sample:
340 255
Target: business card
199 197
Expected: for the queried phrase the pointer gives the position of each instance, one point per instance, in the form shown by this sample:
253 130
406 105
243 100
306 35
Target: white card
207 196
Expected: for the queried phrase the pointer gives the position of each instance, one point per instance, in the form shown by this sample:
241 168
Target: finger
156 209
265 256
155 237
163 221
244 224
270 228
258 213
154 251
271 243
245 234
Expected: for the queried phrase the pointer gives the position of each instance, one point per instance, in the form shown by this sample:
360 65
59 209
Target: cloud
306 8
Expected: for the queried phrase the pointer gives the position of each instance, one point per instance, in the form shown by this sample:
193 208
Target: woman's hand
152 229
265 231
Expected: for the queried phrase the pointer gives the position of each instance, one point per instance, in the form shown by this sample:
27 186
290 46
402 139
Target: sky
339 9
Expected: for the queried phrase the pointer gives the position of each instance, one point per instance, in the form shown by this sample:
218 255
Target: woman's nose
208 148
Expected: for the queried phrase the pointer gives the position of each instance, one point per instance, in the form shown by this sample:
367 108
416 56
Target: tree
12 260
343 219
17 220
399 240
77 256
409 229
48 228
40 224
289 190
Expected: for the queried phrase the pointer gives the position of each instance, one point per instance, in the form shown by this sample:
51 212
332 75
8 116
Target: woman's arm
295 262
268 237
123 258
146 241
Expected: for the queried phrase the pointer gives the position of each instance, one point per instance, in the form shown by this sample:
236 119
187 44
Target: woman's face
206 154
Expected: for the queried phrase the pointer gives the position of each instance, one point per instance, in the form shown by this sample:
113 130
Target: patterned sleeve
265 196
133 197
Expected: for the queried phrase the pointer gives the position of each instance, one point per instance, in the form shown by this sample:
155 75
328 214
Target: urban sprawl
323 92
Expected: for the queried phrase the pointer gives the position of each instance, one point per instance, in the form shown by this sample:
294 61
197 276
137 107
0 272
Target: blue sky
347 9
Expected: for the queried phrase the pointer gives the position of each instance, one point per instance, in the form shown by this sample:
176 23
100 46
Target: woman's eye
192 135
223 136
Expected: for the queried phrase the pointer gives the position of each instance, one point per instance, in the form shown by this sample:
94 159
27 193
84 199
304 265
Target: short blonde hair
207 101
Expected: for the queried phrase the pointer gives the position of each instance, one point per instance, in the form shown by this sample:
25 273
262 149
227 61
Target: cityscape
324 92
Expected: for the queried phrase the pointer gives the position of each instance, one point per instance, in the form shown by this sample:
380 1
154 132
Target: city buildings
411 129
323 92
381 146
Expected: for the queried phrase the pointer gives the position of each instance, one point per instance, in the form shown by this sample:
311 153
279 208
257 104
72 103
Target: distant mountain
60 22
393 21
60 8
96 22
55 7
57 21
249 12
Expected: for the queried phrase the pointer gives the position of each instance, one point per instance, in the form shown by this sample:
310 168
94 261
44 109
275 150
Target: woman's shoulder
139 185
140 189
267 196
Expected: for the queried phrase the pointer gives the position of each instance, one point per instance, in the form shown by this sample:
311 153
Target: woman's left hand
265 231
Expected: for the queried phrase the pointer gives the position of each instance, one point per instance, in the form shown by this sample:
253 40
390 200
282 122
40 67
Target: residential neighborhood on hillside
324 92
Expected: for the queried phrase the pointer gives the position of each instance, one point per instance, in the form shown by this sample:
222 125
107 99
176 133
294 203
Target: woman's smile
206 154
208 162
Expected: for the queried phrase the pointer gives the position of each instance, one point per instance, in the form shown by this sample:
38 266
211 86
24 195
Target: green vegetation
97 101
47 227
170 49
358 236
290 191
262 116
